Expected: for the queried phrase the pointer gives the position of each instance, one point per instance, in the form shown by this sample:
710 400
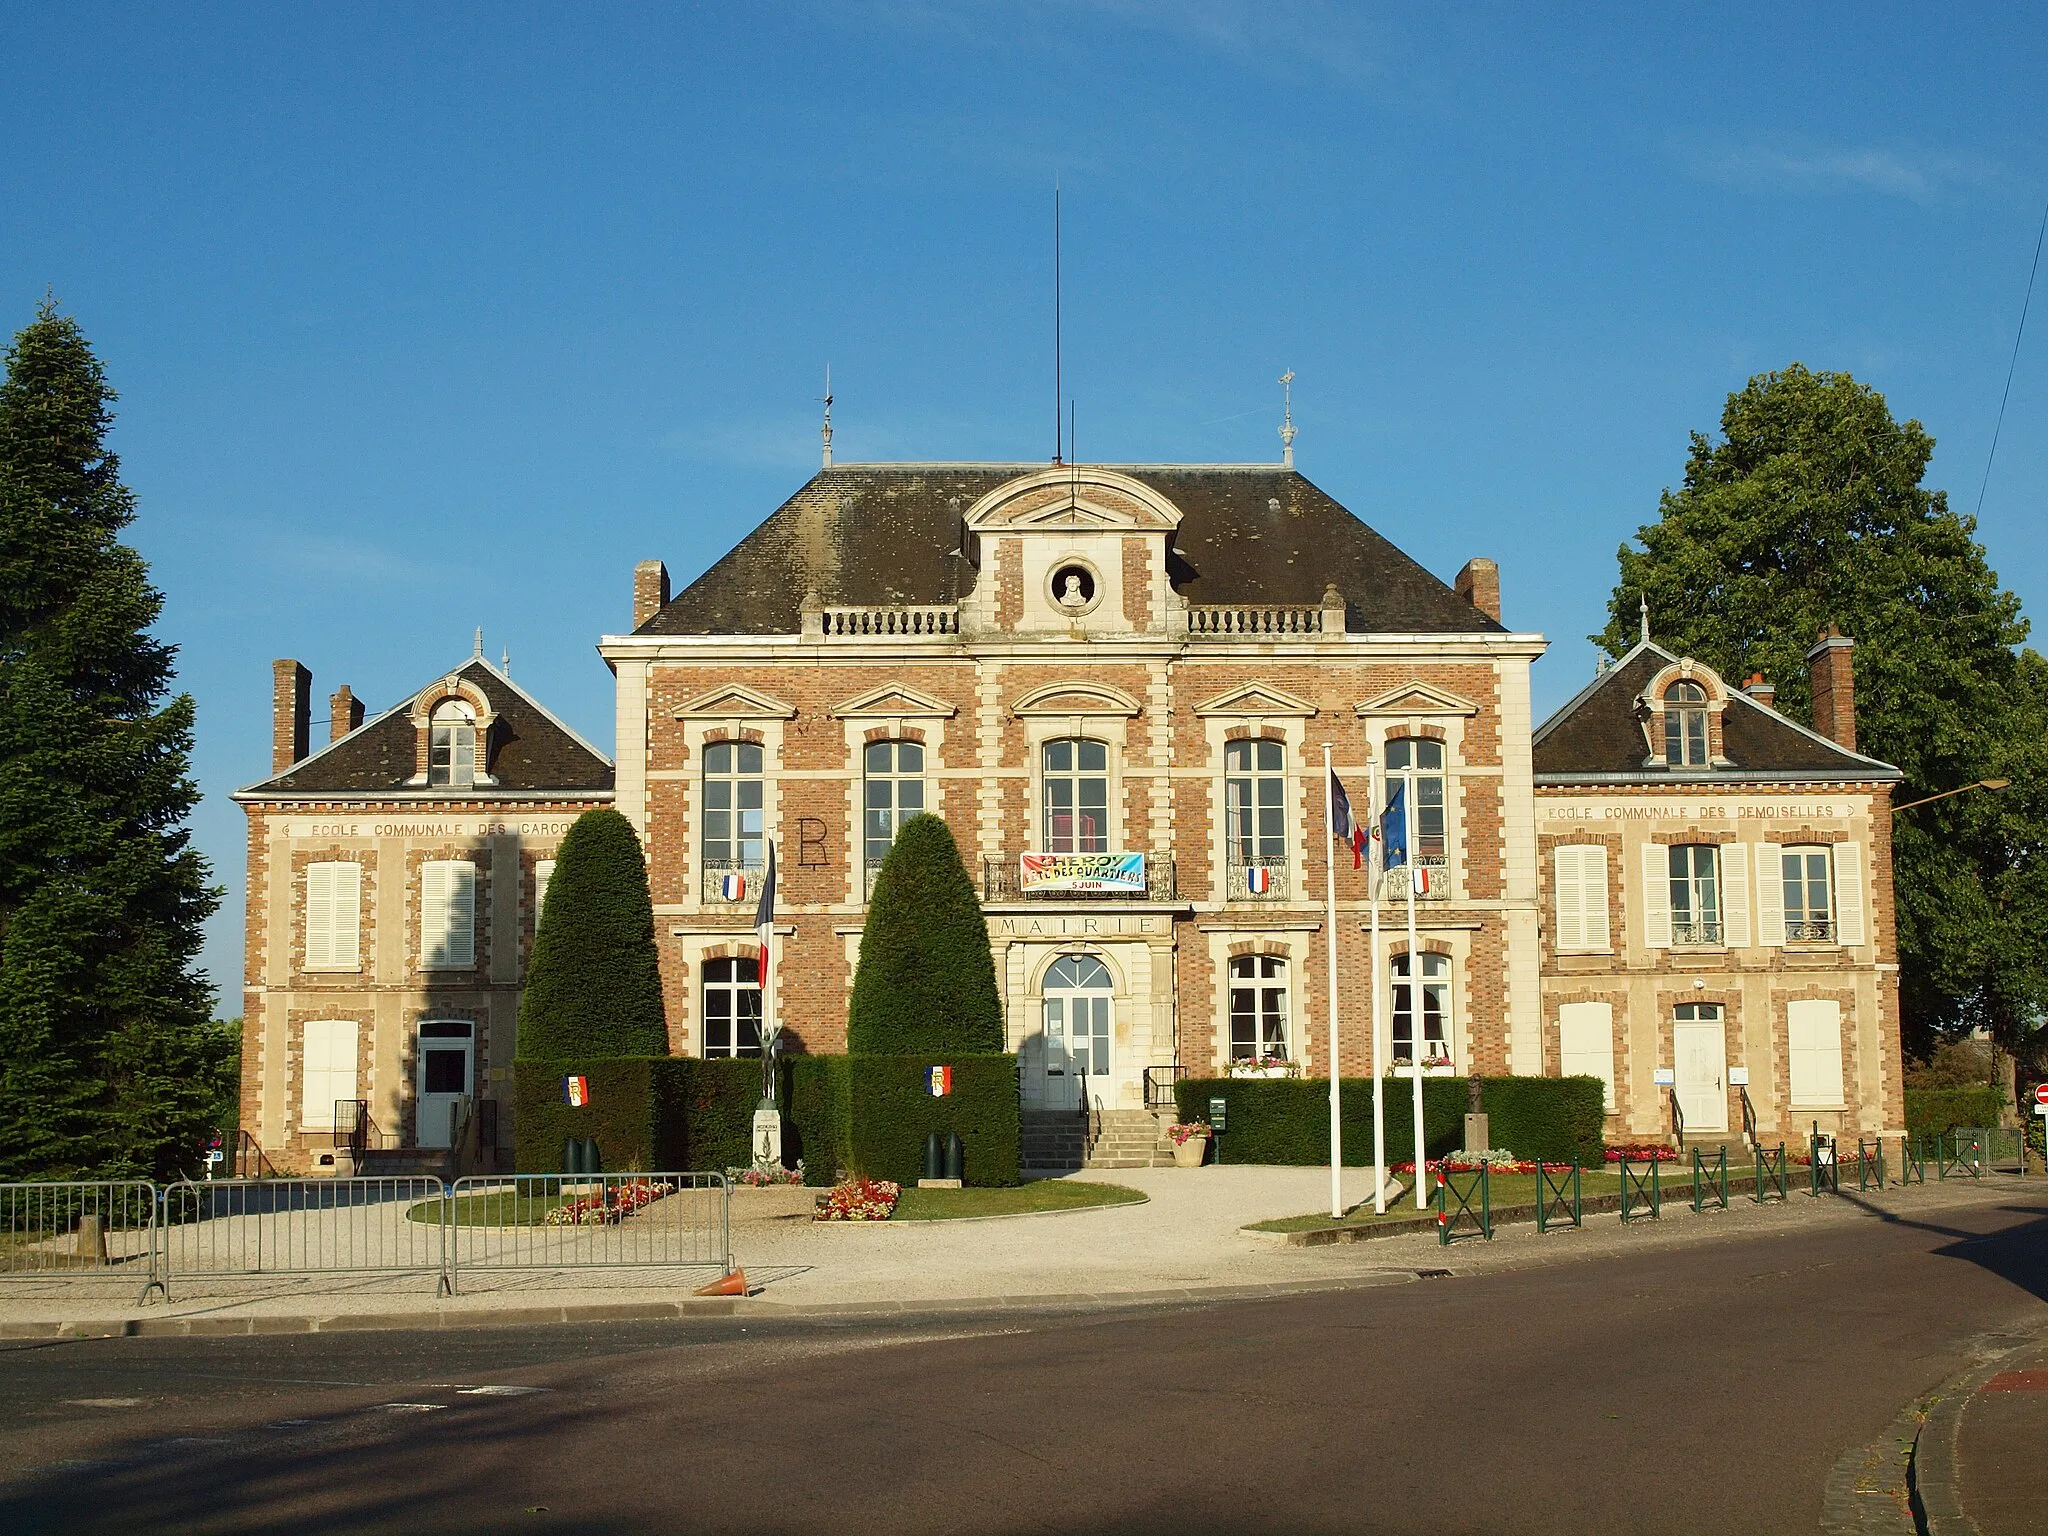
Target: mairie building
1116 683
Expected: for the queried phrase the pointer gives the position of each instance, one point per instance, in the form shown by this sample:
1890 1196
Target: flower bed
608 1205
764 1178
1493 1162
1642 1152
859 1200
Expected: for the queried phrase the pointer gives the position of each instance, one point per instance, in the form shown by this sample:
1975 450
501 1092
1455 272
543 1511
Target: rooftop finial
1646 617
505 662
827 398
478 653
1287 421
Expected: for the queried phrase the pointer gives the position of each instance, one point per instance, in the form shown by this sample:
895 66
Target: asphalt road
1704 1388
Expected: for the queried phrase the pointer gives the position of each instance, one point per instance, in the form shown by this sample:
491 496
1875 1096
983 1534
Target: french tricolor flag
1343 825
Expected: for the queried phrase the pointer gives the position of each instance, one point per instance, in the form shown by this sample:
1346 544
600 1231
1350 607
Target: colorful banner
940 1080
576 1091
1082 872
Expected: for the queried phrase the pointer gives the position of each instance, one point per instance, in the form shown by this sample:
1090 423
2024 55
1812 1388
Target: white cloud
1919 176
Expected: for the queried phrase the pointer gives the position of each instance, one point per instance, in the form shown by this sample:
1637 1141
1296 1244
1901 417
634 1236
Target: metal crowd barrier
238 1228
82 1229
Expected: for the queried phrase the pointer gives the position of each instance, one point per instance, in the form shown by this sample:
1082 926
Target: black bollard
956 1156
934 1157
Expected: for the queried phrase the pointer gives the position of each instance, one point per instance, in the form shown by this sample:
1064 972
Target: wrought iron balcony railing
1813 930
1001 880
1437 868
732 882
1257 880
1684 932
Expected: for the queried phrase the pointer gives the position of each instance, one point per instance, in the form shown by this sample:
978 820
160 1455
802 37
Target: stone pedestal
1476 1134
767 1138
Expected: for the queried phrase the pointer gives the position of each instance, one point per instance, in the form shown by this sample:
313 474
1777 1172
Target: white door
1074 1062
1699 1046
443 1080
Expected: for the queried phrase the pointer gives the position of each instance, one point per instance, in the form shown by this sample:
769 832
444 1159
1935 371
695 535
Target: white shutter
1593 892
1585 1043
448 914
1770 895
319 916
543 872
1656 896
1813 1029
1735 895
1849 893
1571 898
327 1070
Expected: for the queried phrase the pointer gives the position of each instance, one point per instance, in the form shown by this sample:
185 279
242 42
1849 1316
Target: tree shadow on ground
2018 1254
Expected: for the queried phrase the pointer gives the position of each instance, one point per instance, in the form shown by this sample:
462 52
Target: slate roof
1595 736
530 750
890 534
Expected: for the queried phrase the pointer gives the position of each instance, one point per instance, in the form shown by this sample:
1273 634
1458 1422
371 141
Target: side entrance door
1079 1014
443 1074
1699 1047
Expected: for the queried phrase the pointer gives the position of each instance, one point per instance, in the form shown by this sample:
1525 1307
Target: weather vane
1287 421
827 398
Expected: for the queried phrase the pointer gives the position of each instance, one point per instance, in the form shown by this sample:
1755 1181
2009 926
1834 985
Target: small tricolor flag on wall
941 1081
1258 880
733 886
576 1091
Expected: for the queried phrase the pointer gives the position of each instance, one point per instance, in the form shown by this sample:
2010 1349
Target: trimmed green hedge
816 1118
593 984
890 1110
1930 1111
926 980
646 1113
1287 1120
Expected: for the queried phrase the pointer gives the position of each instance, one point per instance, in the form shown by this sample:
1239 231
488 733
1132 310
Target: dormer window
451 749
1685 725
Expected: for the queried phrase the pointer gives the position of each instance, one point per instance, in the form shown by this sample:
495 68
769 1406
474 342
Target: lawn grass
1042 1195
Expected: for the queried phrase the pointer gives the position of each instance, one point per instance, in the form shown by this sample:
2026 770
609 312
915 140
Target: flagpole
1330 928
1415 1010
1377 873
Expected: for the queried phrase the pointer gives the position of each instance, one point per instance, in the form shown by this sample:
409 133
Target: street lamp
1993 784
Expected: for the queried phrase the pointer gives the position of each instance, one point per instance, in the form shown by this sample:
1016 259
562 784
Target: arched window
1078 995
1254 811
894 792
732 1008
451 745
1685 725
1258 1008
1695 893
1436 1011
1076 778
1418 763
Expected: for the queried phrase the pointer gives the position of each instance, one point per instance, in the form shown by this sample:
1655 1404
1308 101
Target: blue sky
431 317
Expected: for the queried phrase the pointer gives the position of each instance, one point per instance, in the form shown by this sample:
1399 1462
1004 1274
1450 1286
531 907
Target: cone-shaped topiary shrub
593 987
926 982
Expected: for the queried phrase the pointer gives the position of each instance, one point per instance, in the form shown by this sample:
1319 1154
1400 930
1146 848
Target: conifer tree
926 980
593 988
1810 510
109 1064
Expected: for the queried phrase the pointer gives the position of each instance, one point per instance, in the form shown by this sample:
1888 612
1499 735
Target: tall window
334 916
895 792
1809 911
1076 797
1695 893
1685 725
1258 1008
1254 787
1418 764
733 829
451 745
732 1007
448 915
1436 1010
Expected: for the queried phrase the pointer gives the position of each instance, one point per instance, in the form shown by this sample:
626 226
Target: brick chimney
345 712
650 590
1834 687
291 709
1764 693
1479 584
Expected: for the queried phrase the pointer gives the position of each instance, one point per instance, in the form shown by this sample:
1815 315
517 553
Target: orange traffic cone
734 1284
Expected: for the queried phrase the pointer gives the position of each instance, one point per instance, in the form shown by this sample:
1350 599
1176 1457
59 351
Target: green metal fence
1559 1201
1456 1217
1639 1190
1823 1172
1771 1182
1870 1168
1959 1154
1913 1161
1710 1179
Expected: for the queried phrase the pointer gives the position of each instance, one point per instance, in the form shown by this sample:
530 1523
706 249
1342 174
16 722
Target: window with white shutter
448 915
1735 895
1581 871
543 872
334 915
1585 1043
1770 895
1849 893
1656 896
327 1070
1813 1027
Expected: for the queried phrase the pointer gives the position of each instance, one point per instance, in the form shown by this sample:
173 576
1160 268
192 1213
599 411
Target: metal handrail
1677 1119
1159 1084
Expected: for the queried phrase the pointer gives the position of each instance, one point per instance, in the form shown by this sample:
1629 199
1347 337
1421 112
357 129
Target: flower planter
1189 1153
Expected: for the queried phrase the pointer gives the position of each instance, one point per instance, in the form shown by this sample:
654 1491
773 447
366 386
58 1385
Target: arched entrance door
1079 995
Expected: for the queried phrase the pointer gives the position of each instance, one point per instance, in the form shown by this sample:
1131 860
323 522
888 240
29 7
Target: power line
2025 305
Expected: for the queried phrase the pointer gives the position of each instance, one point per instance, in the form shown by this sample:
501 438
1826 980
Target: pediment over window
892 702
1418 699
1256 699
1073 497
735 701
1076 698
